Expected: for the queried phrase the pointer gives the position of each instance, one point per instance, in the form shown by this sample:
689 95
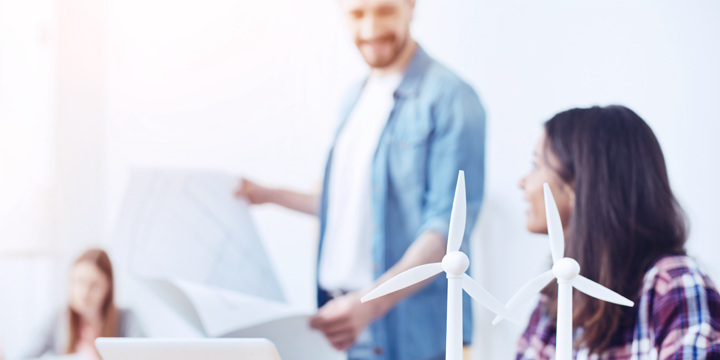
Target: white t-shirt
346 262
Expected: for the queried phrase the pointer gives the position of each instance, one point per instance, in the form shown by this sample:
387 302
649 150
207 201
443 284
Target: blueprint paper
222 310
294 339
185 228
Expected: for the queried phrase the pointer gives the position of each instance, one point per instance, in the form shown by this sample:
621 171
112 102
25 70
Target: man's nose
369 28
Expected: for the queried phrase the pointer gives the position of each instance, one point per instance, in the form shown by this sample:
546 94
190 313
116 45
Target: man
385 206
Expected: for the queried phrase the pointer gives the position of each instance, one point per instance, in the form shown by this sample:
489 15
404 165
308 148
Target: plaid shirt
677 317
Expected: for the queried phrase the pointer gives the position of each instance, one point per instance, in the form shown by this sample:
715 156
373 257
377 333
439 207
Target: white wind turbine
455 263
567 273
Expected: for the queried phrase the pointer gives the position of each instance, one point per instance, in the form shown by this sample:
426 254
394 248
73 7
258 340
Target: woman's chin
536 228
529 220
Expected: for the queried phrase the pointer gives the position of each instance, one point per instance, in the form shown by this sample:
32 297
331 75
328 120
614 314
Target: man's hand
342 319
255 193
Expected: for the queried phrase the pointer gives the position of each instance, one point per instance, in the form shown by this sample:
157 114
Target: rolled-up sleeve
457 143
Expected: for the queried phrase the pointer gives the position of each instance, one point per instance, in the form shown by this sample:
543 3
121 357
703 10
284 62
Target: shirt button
403 144
378 350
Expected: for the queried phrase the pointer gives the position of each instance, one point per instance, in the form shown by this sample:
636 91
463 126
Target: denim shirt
435 129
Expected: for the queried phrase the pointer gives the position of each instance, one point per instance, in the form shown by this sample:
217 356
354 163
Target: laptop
185 349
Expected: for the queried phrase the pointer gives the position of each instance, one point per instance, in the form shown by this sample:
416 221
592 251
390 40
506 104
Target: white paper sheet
184 230
294 339
292 336
220 310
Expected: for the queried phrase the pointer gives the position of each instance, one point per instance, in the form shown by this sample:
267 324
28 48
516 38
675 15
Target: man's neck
400 63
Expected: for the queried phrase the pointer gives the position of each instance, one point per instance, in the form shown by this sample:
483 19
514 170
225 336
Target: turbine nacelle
566 269
455 263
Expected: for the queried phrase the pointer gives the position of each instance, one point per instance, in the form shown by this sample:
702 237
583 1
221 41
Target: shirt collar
414 73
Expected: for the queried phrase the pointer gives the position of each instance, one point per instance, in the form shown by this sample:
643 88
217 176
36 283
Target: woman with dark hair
625 228
91 312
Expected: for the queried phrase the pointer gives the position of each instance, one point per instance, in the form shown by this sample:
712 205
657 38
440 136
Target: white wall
27 55
253 87
27 161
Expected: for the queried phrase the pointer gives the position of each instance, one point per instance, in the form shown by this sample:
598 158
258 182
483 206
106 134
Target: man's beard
381 62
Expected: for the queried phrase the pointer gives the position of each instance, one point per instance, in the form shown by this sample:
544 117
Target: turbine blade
485 299
457 218
555 229
526 292
404 279
598 291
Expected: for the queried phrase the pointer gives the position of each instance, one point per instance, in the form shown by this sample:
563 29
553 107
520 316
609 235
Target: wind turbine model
567 273
455 263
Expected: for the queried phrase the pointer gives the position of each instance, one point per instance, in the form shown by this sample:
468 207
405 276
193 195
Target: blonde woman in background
91 313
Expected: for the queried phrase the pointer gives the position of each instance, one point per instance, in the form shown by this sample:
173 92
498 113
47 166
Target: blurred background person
405 132
91 313
625 228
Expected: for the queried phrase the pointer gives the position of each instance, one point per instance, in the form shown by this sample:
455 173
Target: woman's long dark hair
625 215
